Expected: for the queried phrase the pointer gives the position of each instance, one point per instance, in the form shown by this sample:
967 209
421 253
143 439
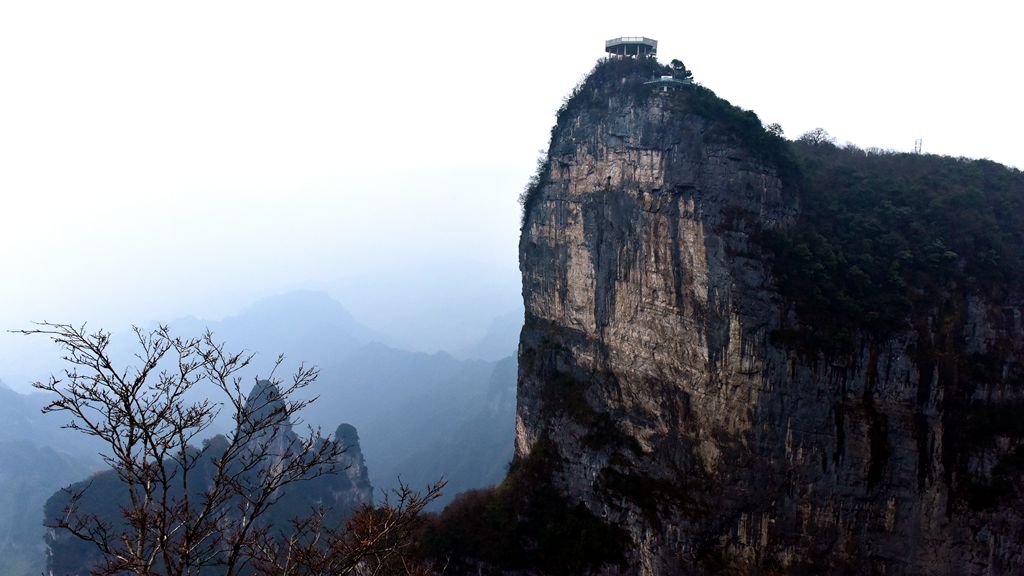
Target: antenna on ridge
917 146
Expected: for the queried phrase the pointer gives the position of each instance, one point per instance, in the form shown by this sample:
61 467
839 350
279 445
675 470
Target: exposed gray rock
646 358
357 491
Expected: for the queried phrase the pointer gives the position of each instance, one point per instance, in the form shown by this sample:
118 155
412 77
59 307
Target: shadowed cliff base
523 524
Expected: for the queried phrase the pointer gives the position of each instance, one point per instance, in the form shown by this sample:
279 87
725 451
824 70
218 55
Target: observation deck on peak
632 47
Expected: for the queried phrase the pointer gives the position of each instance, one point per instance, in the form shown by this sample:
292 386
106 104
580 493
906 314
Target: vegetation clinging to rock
881 236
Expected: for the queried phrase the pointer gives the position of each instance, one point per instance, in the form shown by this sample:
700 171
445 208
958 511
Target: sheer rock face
356 490
647 361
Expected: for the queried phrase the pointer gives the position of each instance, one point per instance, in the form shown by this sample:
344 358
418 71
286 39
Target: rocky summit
704 367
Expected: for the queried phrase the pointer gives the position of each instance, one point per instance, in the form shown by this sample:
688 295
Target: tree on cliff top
680 71
817 137
186 509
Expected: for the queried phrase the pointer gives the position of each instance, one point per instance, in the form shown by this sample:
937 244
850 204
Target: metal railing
631 40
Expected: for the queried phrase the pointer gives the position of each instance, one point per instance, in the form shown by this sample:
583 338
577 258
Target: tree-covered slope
883 235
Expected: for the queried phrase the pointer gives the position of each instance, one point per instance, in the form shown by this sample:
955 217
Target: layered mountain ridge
711 362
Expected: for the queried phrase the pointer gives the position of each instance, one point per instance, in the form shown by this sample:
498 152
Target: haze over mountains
409 407
419 416
36 459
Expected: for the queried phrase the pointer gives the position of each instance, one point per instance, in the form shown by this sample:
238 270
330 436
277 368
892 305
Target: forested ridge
884 235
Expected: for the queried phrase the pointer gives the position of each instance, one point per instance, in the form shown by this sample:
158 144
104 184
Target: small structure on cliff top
632 47
667 83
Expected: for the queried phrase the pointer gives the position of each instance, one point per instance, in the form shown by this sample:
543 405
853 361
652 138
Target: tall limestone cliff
657 379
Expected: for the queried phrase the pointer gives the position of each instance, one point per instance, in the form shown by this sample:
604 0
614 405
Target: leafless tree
189 508
818 137
375 541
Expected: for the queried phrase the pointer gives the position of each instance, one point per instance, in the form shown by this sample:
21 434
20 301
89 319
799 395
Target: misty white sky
165 159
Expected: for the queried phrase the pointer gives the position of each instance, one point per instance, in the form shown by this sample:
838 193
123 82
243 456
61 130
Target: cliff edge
689 376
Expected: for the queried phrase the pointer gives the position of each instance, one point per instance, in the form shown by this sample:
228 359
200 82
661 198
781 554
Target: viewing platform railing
631 40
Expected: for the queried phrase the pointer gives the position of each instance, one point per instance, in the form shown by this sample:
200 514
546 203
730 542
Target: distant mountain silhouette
305 326
420 416
106 495
476 449
500 340
36 458
423 416
21 418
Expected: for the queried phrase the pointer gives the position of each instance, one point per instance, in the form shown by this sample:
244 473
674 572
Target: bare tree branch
186 508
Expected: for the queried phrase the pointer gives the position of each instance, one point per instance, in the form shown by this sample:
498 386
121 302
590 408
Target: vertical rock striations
355 489
650 361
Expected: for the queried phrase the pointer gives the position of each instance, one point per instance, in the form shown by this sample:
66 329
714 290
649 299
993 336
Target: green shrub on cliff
881 237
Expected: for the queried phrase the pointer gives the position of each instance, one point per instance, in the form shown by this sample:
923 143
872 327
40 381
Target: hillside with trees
885 236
